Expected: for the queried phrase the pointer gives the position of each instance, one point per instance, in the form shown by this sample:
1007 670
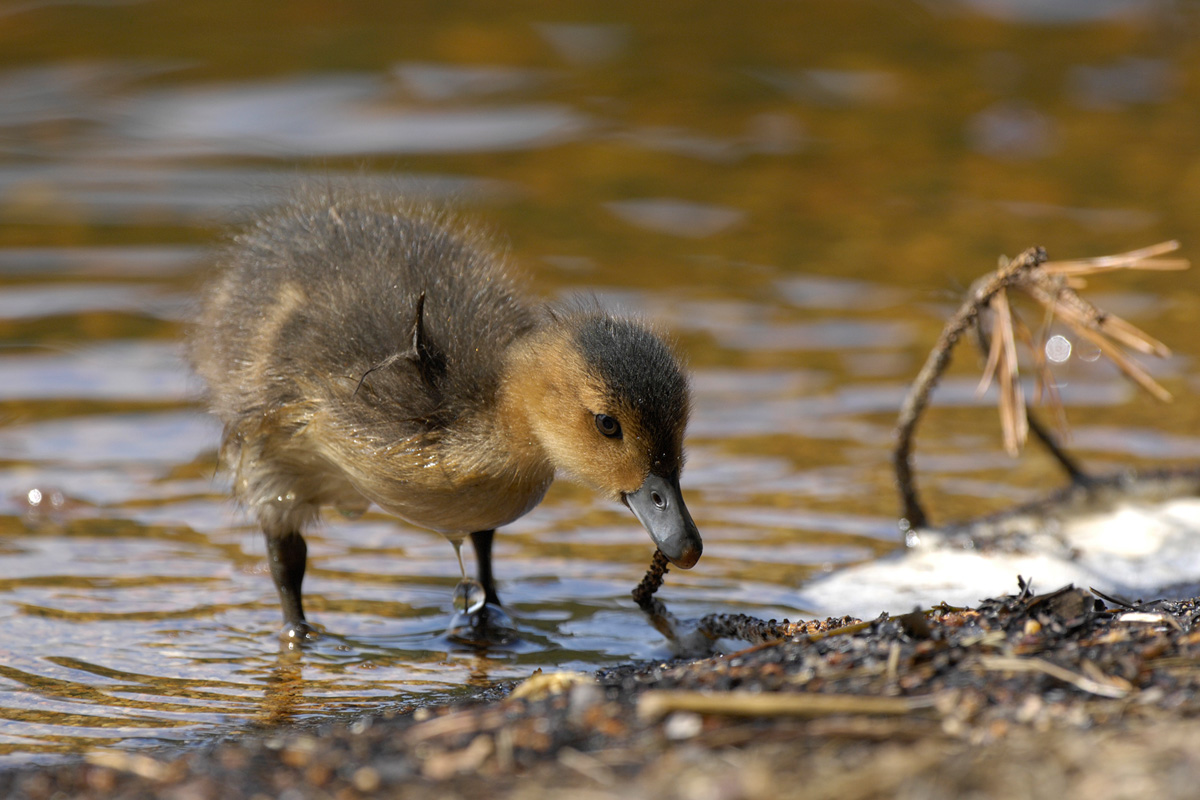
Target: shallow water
799 192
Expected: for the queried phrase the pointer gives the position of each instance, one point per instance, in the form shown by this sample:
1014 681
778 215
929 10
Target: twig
1052 285
1074 471
746 628
655 704
913 512
643 593
712 627
137 764
1080 682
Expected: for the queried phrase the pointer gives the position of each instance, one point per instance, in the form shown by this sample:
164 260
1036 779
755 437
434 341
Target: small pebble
366 779
683 725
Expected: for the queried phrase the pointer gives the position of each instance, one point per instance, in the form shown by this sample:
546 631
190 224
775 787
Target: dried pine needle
1146 258
1054 286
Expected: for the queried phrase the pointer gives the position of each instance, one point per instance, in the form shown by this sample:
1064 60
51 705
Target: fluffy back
319 301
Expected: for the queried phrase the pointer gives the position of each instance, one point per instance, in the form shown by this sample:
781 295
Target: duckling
360 349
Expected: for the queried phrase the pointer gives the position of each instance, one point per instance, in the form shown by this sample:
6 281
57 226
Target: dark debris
939 698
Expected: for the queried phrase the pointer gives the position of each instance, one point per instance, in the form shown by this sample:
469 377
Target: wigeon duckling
360 349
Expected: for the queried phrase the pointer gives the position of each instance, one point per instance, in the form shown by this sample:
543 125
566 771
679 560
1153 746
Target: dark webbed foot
296 634
488 626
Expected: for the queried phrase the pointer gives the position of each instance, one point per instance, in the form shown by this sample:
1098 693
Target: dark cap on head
641 372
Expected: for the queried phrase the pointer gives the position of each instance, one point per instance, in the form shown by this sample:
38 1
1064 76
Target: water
799 192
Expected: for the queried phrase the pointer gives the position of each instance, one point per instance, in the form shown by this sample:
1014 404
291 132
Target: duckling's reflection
283 698
285 686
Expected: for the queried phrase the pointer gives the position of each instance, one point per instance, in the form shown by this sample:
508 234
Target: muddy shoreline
1065 694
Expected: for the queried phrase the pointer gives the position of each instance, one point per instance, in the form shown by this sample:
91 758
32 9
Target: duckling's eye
608 426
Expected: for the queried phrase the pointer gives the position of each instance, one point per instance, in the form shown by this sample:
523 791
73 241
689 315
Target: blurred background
800 191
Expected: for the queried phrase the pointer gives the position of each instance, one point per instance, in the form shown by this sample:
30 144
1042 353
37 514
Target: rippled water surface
799 191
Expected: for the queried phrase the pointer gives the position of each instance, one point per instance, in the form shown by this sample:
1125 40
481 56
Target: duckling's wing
387 317
423 355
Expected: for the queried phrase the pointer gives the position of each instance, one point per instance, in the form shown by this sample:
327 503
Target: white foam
1135 549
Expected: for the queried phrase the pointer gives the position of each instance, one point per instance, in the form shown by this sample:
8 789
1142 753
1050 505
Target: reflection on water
677 217
325 117
138 195
1064 11
798 192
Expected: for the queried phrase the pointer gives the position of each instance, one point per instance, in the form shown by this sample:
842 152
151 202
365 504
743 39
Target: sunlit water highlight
800 196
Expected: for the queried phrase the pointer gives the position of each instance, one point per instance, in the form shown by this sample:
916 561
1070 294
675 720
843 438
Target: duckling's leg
482 623
482 540
288 555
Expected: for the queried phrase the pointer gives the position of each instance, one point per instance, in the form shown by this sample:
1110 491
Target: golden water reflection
799 192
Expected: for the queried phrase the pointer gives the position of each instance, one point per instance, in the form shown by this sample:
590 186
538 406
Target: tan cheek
610 464
632 477
629 465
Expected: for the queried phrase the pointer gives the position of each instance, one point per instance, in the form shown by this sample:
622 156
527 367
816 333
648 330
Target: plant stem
913 513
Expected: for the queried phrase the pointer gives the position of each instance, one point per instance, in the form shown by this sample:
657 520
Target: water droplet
469 596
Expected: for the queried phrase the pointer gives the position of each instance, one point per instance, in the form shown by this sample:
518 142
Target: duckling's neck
532 383
561 381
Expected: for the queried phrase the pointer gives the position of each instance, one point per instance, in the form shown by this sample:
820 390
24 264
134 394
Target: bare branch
1054 286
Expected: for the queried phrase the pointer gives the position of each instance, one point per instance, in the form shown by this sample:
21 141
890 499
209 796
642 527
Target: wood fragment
1151 618
543 684
134 763
917 399
456 724
587 765
1144 258
655 704
1013 664
441 766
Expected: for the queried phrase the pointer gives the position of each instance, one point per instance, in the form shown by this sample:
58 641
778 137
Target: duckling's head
607 401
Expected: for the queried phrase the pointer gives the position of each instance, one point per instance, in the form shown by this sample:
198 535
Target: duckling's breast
448 481
464 505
